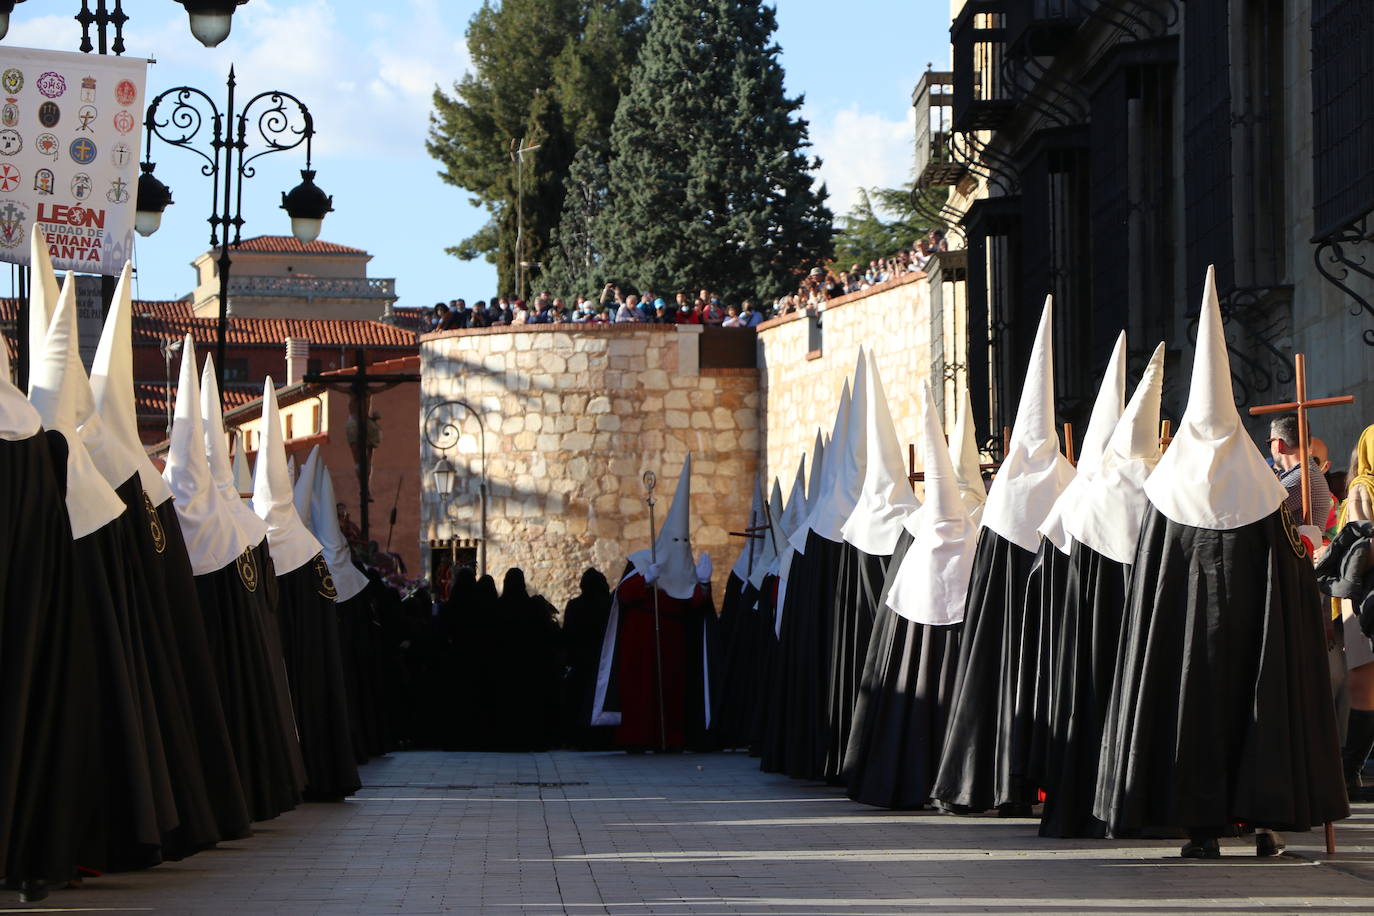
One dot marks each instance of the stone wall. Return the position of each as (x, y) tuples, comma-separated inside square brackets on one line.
[(573, 416), (801, 386)]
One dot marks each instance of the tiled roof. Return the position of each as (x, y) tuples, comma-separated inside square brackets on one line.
[(287, 244), (399, 364), (416, 320), (323, 332), (150, 398)]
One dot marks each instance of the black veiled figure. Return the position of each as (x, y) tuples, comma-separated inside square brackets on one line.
[(858, 584), (532, 653), (584, 624)]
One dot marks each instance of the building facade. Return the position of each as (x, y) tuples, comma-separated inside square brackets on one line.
[(1109, 152)]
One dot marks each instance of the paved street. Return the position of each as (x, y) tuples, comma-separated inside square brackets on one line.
[(607, 833)]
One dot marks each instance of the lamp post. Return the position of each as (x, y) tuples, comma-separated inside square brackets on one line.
[(438, 431), (281, 122)]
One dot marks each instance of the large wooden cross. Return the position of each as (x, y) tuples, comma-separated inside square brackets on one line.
[(1301, 406), (914, 476)]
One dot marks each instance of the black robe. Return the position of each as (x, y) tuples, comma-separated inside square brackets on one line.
[(739, 633), (1089, 630), (857, 588), (584, 626), (1221, 709), (151, 604), (902, 707), (1036, 662), (796, 741), (246, 661), (49, 771), (977, 768), (310, 642), (766, 641), (217, 756)]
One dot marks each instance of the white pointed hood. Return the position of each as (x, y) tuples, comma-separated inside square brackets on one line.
[(673, 546), (885, 497), (794, 513), (18, 418), (241, 474), (968, 462), (119, 453), (349, 580), (797, 532), (1212, 475), (749, 554), (61, 393), (245, 519), (43, 293), (302, 494), (1111, 398), (1034, 472), (1108, 515), (291, 543), (767, 562), (212, 539), (844, 472), (932, 582)]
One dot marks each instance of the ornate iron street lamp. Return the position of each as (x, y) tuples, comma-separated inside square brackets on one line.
[(443, 433), (280, 123)]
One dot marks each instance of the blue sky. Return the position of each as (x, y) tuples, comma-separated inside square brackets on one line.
[(367, 70)]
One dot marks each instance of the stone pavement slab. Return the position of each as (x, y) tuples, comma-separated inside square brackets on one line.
[(608, 833)]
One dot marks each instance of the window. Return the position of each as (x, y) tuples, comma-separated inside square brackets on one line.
[(236, 370)]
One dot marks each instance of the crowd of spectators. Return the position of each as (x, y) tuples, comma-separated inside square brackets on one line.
[(613, 306)]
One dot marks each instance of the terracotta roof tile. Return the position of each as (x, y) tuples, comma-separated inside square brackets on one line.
[(150, 399), (324, 332), (287, 244)]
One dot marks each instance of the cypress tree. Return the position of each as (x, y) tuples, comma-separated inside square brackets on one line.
[(574, 262), (709, 182)]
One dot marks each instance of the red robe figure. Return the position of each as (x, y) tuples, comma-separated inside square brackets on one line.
[(630, 680)]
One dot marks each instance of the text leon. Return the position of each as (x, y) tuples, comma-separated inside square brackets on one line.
[(72, 233)]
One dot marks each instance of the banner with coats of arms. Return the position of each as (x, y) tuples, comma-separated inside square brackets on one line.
[(70, 130)]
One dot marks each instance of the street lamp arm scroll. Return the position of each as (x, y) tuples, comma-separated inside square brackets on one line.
[(437, 432), (274, 123)]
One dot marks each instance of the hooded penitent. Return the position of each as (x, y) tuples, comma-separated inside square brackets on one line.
[(968, 463), (117, 449), (870, 533), (988, 759), (1111, 395), (1112, 503), (672, 550), (801, 700), (751, 552), (900, 713), (774, 538), (43, 293), (242, 475), (1221, 709), (794, 516), (273, 498)]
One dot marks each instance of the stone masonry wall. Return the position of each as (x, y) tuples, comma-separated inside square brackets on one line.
[(573, 417), (801, 388)]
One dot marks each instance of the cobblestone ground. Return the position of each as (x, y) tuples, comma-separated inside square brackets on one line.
[(606, 833)]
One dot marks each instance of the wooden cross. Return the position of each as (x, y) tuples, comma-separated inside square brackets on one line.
[(1165, 436), (1301, 406)]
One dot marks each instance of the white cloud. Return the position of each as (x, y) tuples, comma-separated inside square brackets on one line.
[(861, 149)]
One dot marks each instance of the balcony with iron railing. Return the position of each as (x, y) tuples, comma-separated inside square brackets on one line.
[(310, 288), (1041, 28), (933, 100), (982, 98)]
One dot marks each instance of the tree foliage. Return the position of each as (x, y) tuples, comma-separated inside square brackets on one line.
[(884, 222), (549, 72), (574, 264), (709, 181)]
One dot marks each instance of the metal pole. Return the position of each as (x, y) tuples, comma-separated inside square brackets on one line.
[(650, 481), (225, 262), (482, 490)]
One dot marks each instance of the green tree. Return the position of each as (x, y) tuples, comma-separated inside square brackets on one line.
[(574, 264), (549, 72), (709, 182), (884, 222)]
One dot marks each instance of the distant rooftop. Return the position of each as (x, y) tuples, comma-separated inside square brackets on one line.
[(287, 244)]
